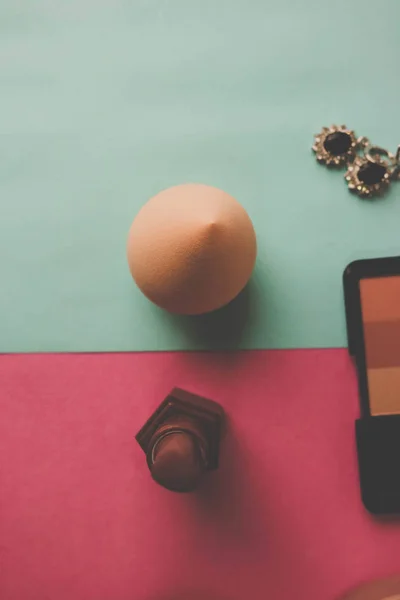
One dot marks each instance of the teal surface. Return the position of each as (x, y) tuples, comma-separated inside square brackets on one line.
[(105, 102)]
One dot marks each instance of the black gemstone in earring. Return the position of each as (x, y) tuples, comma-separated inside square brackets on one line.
[(337, 143), (371, 173), (335, 146)]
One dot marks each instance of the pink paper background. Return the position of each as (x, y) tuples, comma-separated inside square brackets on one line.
[(80, 518)]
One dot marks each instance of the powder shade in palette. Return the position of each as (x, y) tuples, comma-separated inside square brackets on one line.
[(372, 299), (380, 308)]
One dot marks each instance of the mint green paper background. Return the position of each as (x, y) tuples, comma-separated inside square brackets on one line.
[(105, 102)]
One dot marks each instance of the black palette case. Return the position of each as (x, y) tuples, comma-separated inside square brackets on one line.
[(377, 435)]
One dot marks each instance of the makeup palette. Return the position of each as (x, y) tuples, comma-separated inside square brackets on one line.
[(372, 297)]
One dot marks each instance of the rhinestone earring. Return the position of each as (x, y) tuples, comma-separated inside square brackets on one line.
[(336, 146), (372, 171)]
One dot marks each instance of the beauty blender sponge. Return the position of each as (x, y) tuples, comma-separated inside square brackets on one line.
[(191, 249)]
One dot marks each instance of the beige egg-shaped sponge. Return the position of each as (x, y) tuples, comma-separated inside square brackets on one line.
[(191, 249)]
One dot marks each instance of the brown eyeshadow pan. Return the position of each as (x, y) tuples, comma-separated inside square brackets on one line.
[(380, 309)]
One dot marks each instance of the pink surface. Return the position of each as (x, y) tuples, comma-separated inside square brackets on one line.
[(80, 518)]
